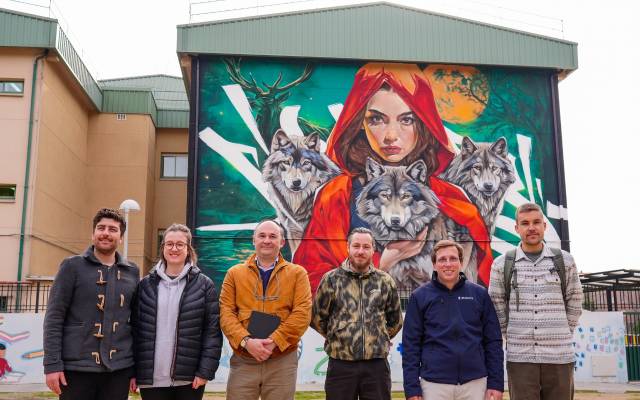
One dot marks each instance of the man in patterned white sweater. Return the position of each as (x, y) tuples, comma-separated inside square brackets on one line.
[(540, 314)]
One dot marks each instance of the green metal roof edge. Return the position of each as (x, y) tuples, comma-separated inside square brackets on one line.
[(562, 54), (32, 31), (164, 117), (173, 118), (142, 101), (128, 78), (130, 101), (26, 30), (368, 5), (80, 71)]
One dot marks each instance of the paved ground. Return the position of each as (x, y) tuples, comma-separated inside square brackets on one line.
[(320, 396)]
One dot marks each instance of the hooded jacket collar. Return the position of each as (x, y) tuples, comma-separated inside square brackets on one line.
[(161, 270), (189, 272)]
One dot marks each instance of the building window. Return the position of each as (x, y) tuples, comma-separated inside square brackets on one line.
[(7, 192), (174, 166), (12, 87)]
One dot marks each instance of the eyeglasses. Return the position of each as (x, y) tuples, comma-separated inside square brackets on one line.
[(447, 260), (177, 245)]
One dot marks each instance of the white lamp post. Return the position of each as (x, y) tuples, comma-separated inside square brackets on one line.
[(126, 206)]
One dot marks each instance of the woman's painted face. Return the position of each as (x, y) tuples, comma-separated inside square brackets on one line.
[(175, 247), (390, 126)]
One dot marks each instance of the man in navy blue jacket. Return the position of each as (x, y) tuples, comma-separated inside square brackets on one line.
[(451, 341)]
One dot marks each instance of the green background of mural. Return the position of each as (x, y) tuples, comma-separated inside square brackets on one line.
[(518, 102)]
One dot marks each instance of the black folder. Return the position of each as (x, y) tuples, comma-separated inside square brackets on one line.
[(261, 325)]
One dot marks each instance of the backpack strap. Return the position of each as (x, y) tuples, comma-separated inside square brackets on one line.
[(509, 261), (558, 264)]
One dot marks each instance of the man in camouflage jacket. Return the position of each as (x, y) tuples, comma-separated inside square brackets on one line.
[(357, 311)]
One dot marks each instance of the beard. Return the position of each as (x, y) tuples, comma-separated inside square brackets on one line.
[(106, 249), (359, 264)]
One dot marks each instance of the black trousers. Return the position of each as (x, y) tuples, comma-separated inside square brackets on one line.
[(353, 380), (185, 392), (97, 385)]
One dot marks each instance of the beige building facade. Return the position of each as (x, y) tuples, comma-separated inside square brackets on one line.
[(86, 145)]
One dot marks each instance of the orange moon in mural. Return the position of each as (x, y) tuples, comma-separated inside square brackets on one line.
[(461, 93)]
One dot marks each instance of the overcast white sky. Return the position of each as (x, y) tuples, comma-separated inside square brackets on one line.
[(599, 103)]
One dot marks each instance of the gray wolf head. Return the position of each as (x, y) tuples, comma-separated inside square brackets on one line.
[(396, 201), (482, 169), (296, 164), (296, 167), (484, 172)]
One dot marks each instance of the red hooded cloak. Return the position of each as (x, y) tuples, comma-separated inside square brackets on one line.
[(323, 246)]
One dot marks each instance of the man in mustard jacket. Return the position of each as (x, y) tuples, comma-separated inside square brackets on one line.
[(265, 282)]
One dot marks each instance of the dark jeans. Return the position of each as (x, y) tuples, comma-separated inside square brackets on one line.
[(352, 380), (529, 381), (96, 385), (185, 392)]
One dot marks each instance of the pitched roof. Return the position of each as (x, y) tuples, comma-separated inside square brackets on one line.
[(377, 31), (168, 91), (163, 97)]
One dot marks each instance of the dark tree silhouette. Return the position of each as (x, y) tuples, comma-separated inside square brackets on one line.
[(267, 99)]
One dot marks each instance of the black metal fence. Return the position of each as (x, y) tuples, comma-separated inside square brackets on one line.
[(24, 297), (612, 298)]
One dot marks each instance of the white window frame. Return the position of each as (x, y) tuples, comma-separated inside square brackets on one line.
[(174, 157), (4, 83)]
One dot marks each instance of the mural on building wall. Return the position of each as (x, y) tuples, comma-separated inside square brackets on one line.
[(412, 151), (598, 334), (21, 348)]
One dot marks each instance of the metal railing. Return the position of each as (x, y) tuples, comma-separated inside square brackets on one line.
[(621, 298), (632, 344), (24, 297)]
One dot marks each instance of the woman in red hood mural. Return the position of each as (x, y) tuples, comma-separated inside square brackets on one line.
[(390, 116)]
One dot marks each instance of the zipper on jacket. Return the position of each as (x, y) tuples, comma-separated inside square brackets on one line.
[(362, 313), (175, 342), (451, 299), (271, 277), (155, 290), (264, 294)]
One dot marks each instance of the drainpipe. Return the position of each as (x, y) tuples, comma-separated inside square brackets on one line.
[(27, 170)]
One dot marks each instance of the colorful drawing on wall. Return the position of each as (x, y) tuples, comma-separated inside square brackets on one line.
[(11, 338), (33, 354), (600, 334), (4, 364), (411, 151), (21, 353)]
